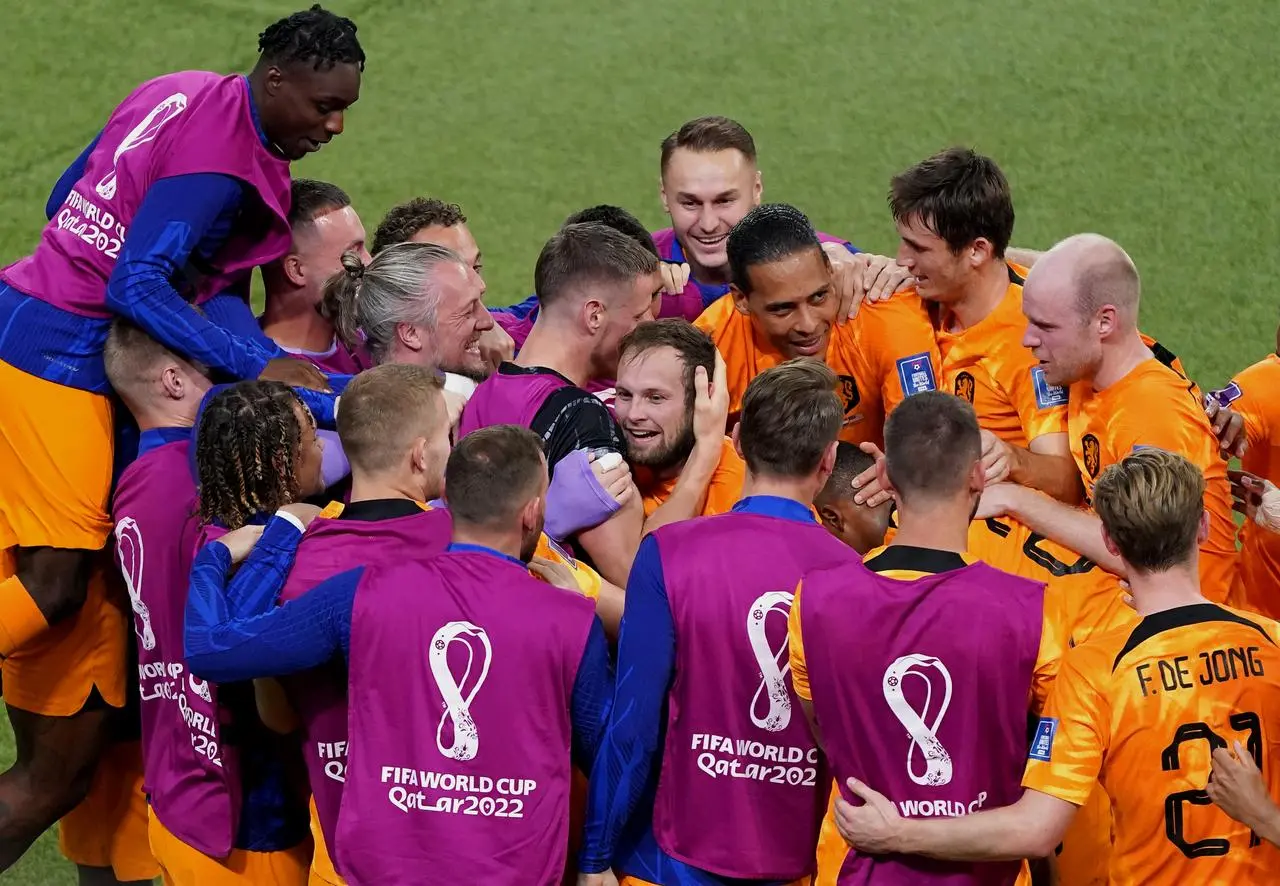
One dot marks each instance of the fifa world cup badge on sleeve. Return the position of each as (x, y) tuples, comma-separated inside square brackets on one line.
[(1224, 396), (1042, 744), (1047, 395), (915, 374)]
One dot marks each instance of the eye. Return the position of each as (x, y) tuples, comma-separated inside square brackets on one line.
[(323, 110), (689, 204)]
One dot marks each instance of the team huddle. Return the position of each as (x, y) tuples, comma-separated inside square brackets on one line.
[(732, 555)]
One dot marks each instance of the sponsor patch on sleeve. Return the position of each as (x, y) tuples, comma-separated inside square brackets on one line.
[(1225, 396), (1047, 395), (915, 373), (1042, 744)]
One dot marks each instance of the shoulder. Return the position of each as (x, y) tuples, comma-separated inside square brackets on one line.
[(720, 317)]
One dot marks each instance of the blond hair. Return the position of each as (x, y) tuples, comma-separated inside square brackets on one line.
[(386, 408), (1151, 503)]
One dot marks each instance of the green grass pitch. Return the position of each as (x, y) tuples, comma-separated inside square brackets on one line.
[(1152, 121)]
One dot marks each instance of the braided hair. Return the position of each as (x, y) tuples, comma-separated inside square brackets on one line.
[(247, 451), (316, 36)]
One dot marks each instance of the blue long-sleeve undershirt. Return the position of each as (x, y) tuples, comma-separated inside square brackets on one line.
[(236, 632), (619, 824), (72, 174), (181, 217)]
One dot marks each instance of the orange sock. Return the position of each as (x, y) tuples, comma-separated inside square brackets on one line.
[(20, 617)]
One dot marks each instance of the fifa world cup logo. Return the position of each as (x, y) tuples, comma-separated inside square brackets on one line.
[(144, 132), (130, 552), (774, 664), (924, 735), (458, 693)]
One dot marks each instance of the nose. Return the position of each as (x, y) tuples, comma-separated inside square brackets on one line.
[(333, 123), (365, 256), (1029, 338), (707, 219), (807, 321), (905, 257)]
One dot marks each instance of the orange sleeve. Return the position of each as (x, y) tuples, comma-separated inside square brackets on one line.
[(1053, 646), (588, 579), (1042, 407), (795, 651), (1071, 738), (899, 348), (726, 482), (1248, 393), (731, 333)]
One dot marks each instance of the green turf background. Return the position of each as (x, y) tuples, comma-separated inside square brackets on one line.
[(1155, 122)]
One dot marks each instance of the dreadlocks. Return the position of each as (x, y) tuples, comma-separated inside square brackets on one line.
[(246, 452), (316, 36)]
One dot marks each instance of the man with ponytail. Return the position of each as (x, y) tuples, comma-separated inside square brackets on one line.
[(183, 192)]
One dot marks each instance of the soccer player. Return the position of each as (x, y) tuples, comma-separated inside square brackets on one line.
[(912, 667), (862, 527), (595, 285), (740, 786), (671, 405), (187, 185), (1141, 708), (323, 225), (954, 213), (782, 306), (1251, 394), (428, 220), (1081, 303), (520, 670)]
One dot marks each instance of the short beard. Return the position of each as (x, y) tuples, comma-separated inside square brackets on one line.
[(670, 456)]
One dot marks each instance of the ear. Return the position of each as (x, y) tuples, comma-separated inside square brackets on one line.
[(593, 314), (1106, 320), (831, 517), (530, 513), (1202, 533), (977, 478), (274, 80), (409, 336), (418, 455), (737, 442), (293, 270), (1109, 544), (740, 300), (173, 383), (662, 194), (828, 463), (981, 251), (757, 190)]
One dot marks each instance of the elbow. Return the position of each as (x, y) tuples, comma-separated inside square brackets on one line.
[(1041, 845)]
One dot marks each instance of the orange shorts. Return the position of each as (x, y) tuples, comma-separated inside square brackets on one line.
[(56, 451), (1086, 846), (180, 865), (323, 873), (54, 674), (109, 829)]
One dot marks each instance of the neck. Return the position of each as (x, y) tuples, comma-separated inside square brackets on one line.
[(374, 488), (553, 347), (671, 472), (503, 541), (797, 489), (701, 273), (1119, 359), (1157, 591), (292, 321), (939, 526), (164, 418), (980, 296)]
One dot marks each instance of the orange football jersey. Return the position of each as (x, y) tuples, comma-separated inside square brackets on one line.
[(882, 356), (1252, 393), (1155, 407), (723, 491), (1141, 708)]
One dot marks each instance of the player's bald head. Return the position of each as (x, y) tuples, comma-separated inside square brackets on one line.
[(1096, 272)]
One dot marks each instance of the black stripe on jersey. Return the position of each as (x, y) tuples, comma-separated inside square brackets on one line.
[(1163, 354), (1015, 277), (912, 559), (380, 509), (1181, 617)]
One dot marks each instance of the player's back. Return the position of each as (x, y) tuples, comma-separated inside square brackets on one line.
[(931, 715), (1153, 701)]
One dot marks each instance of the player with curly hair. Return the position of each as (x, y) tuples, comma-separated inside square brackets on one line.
[(183, 192)]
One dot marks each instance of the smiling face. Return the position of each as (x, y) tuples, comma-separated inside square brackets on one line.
[(653, 408), (706, 193), (791, 303), (301, 108), (940, 273), (461, 318)]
